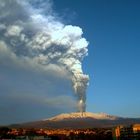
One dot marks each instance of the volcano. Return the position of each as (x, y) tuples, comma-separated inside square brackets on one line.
[(79, 121), (81, 116)]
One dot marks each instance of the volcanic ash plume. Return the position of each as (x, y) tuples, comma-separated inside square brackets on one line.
[(80, 85), (36, 35)]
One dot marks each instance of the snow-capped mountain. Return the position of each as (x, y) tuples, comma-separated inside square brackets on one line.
[(84, 115), (79, 120)]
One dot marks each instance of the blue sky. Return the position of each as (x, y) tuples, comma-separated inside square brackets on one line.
[(113, 29), (36, 85)]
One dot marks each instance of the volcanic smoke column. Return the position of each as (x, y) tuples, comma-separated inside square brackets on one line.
[(70, 38), (37, 37), (80, 86), (76, 51)]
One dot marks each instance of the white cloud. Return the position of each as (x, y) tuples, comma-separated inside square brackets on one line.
[(13, 30)]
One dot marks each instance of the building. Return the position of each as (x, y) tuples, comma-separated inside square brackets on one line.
[(131, 132)]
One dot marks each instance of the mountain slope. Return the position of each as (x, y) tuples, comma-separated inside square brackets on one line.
[(78, 120), (85, 115)]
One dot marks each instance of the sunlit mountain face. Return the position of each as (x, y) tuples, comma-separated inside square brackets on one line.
[(77, 120), (82, 115)]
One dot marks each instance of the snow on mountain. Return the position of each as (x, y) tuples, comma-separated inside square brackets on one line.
[(78, 121), (84, 115)]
